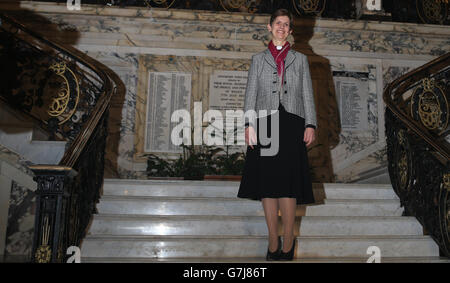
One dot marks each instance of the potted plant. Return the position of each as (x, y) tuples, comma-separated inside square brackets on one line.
[(229, 167), (193, 164), (198, 162)]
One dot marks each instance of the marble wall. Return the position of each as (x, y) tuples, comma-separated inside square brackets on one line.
[(133, 42), (17, 206)]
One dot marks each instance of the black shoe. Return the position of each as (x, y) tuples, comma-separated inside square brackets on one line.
[(276, 254), (290, 254)]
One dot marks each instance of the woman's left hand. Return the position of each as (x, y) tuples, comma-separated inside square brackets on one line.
[(309, 136)]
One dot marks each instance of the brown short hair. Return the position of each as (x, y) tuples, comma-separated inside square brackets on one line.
[(281, 12)]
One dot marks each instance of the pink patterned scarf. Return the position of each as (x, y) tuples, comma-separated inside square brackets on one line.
[(279, 56)]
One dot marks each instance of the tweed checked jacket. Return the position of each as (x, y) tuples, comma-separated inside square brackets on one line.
[(262, 92)]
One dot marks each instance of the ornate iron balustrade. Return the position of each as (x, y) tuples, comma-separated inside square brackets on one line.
[(68, 94), (416, 11), (418, 145)]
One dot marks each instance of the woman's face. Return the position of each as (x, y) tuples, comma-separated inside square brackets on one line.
[(280, 28)]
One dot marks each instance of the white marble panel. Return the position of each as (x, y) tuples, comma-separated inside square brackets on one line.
[(20, 141)]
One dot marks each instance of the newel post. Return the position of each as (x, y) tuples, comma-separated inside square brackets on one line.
[(52, 195)]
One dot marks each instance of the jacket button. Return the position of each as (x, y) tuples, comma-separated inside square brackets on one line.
[(285, 91), (275, 73), (275, 82), (284, 82)]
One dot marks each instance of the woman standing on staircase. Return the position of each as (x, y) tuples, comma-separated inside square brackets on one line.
[(279, 78)]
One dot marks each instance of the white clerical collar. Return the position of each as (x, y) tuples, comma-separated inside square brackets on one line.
[(279, 47)]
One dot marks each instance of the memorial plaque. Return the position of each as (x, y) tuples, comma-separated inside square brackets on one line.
[(166, 93), (352, 92), (227, 92)]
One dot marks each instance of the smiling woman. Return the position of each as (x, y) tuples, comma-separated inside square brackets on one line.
[(280, 29), (279, 82)]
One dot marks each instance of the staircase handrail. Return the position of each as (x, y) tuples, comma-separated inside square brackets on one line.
[(396, 88), (418, 150), (67, 193)]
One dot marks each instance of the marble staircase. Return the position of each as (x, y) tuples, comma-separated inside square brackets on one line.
[(204, 221), (22, 136)]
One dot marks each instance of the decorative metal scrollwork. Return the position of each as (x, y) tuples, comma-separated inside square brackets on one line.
[(444, 211), (44, 252), (403, 161), (160, 3), (420, 180), (250, 6), (309, 7), (65, 103), (429, 106), (446, 181), (432, 11), (71, 100)]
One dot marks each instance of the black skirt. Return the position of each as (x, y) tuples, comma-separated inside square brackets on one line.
[(284, 175)]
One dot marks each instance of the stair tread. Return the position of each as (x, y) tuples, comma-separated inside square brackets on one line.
[(178, 198), (259, 259), (252, 237), (231, 217), (171, 182), (179, 203), (234, 184)]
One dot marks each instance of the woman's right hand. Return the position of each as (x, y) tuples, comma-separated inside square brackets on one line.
[(250, 136)]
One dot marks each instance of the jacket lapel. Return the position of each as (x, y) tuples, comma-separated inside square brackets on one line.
[(269, 58), (290, 57)]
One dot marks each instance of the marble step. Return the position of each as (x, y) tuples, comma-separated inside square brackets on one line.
[(253, 246), (181, 188), (431, 259), (240, 207), (371, 207), (20, 140), (250, 225)]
